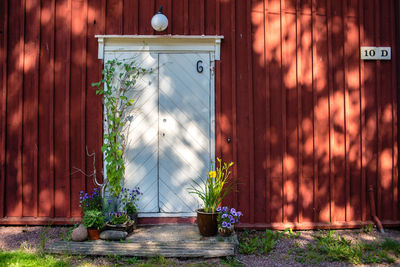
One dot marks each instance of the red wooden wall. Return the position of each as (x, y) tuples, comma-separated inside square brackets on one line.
[(311, 125)]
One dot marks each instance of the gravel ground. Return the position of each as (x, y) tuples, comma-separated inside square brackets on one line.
[(33, 238)]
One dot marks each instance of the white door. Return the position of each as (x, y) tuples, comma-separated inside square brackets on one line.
[(170, 137)]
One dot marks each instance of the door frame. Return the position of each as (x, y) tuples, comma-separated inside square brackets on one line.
[(111, 44)]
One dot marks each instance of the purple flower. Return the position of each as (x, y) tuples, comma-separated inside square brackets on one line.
[(239, 213), (234, 213), (233, 210), (223, 209), (109, 201), (224, 215), (219, 209), (232, 221), (228, 225), (230, 217), (224, 224)]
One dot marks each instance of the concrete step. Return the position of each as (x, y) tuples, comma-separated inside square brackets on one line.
[(178, 241)]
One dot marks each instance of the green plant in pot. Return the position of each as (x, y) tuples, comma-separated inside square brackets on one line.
[(212, 191), (94, 221)]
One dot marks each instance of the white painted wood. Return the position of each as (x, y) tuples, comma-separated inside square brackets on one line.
[(160, 43), (184, 119)]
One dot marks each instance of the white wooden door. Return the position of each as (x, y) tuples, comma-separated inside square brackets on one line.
[(184, 125), (170, 134)]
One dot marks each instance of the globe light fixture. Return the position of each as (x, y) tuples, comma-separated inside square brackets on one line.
[(159, 22)]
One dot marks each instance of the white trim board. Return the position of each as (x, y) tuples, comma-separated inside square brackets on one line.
[(159, 43)]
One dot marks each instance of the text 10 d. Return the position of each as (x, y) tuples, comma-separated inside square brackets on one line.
[(376, 53)]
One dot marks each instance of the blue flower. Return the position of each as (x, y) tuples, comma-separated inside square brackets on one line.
[(224, 215), (232, 221), (228, 225), (233, 210), (224, 224), (239, 213), (234, 213), (230, 217), (219, 209), (223, 209)]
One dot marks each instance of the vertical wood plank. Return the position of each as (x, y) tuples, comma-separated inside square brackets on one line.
[(386, 118), (186, 17), (378, 112), (233, 99), (3, 101), (299, 89), (211, 19), (147, 10), (314, 103), (62, 77), (259, 104), (283, 36), (321, 113), (394, 112), (250, 112), (178, 20), (276, 99), (77, 99), (363, 129), (94, 108), (267, 58), (131, 17), (46, 110), (13, 190), (194, 16), (114, 17), (332, 144), (30, 114), (306, 133)]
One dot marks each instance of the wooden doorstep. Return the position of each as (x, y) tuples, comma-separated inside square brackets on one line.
[(176, 249)]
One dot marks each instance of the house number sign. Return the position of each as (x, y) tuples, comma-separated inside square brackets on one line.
[(376, 53)]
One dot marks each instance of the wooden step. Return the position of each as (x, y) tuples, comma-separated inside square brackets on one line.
[(176, 249)]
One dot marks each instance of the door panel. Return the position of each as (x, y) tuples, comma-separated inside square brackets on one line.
[(184, 123), (141, 156)]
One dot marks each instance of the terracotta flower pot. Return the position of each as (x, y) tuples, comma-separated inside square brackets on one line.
[(94, 234), (207, 222)]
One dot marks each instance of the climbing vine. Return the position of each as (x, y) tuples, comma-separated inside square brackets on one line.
[(119, 79)]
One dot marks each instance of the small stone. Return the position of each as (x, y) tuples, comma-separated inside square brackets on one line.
[(113, 235), (80, 234)]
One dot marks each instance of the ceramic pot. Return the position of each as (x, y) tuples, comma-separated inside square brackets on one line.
[(226, 231), (207, 222), (94, 234), (128, 226)]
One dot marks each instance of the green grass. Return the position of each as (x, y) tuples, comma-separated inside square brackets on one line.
[(20, 258), (330, 247), (264, 243)]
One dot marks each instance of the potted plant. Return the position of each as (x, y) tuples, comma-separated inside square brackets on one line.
[(90, 202), (227, 218), (212, 191), (120, 221), (128, 200), (94, 220)]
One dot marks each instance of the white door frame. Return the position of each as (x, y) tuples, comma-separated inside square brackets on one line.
[(111, 44)]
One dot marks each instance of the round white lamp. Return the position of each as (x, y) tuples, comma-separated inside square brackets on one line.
[(159, 22)]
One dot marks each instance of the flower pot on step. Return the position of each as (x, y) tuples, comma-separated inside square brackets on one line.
[(94, 234), (207, 222)]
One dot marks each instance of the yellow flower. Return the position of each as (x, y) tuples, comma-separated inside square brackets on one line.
[(212, 174)]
